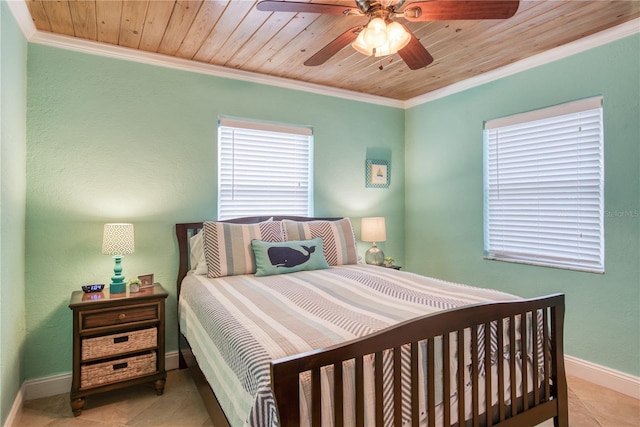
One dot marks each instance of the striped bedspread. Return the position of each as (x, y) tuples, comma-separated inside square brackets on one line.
[(237, 324)]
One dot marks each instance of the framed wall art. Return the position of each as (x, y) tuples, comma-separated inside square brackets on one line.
[(378, 173)]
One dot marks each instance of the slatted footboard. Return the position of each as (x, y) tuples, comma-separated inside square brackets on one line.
[(519, 364)]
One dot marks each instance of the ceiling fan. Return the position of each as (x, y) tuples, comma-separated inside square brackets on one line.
[(382, 35)]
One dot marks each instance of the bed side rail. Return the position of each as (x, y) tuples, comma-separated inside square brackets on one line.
[(541, 394)]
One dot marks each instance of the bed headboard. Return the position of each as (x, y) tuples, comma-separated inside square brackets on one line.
[(184, 231)]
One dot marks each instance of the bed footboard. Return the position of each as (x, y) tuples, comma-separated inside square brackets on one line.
[(510, 351)]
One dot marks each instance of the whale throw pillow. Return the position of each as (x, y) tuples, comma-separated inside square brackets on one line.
[(288, 257)]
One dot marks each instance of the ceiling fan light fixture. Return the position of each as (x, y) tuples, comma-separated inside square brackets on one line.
[(384, 50), (361, 46), (397, 36), (375, 33)]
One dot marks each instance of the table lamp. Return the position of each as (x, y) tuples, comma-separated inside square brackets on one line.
[(373, 230), (117, 240)]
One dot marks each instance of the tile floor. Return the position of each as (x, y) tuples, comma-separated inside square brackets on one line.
[(180, 406)]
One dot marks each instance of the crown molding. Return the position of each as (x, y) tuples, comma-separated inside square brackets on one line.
[(160, 60), (23, 18), (22, 15), (606, 36)]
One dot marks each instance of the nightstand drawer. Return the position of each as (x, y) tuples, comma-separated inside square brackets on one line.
[(118, 316), (125, 342), (97, 374)]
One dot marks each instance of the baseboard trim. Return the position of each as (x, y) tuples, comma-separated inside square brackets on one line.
[(56, 384), (13, 419), (603, 376), (600, 375)]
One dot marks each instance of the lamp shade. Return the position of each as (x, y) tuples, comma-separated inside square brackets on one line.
[(117, 239), (373, 230)]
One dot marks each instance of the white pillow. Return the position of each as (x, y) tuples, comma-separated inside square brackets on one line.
[(197, 257)]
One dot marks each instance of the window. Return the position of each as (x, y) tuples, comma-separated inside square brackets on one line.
[(264, 169), (544, 184)]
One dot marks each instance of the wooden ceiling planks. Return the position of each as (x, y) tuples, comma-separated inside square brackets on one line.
[(269, 41), (184, 13), (132, 23), (232, 17), (201, 28), (59, 17), (234, 34), (39, 15), (257, 58), (155, 24), (108, 16), (253, 21), (289, 59), (83, 15)]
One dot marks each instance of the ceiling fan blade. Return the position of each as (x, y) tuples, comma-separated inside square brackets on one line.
[(292, 6), (414, 54), (334, 47), (451, 10)]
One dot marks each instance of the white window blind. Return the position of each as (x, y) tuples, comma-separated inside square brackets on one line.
[(264, 169), (544, 182)]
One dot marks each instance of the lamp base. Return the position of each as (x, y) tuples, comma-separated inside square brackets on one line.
[(117, 288), (374, 256), (117, 285)]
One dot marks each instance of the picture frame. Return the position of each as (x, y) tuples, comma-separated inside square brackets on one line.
[(146, 280), (378, 173)]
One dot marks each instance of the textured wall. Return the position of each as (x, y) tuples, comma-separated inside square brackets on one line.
[(111, 140), (13, 135), (444, 196)]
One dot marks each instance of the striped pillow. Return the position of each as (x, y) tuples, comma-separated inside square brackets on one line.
[(227, 246), (338, 239)]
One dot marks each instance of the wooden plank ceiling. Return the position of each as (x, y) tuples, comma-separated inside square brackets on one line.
[(234, 34)]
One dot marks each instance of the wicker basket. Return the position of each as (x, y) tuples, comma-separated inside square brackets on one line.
[(96, 374), (112, 345)]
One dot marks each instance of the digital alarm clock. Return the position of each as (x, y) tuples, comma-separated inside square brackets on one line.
[(92, 288)]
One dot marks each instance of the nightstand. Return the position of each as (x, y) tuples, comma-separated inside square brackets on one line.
[(118, 341)]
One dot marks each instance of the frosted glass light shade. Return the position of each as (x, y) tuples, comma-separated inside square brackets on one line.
[(361, 46), (375, 34), (397, 37), (381, 39)]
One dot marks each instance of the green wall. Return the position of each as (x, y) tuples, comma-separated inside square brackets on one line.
[(13, 138), (111, 140), (444, 196)]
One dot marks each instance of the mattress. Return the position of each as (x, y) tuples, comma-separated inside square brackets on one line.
[(237, 325)]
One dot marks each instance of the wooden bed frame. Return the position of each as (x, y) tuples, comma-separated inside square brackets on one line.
[(547, 396)]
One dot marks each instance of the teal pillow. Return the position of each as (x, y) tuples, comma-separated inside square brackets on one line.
[(288, 257)]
